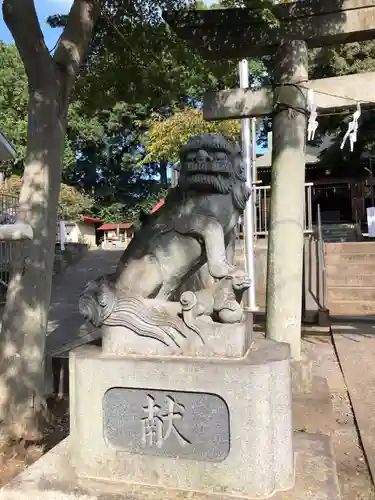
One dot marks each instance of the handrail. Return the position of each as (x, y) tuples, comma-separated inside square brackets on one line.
[(263, 196), (322, 258)]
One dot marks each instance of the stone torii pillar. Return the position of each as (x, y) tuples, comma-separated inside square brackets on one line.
[(287, 213), (231, 34)]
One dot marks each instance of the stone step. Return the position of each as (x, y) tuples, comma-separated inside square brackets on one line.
[(367, 280), (351, 307), (339, 234), (342, 225), (338, 229), (351, 247), (338, 293), (350, 258), (339, 239), (337, 270)]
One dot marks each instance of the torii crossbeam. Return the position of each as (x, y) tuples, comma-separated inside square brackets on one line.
[(331, 94)]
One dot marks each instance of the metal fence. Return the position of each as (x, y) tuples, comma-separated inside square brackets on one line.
[(262, 210), (8, 213)]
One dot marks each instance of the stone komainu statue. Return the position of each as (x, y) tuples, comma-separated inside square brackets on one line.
[(194, 228)]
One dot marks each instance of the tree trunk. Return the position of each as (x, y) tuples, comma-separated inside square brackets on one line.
[(24, 326), (163, 173)]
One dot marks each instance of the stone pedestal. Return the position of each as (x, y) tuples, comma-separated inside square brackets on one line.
[(177, 427), (213, 425), (216, 340)]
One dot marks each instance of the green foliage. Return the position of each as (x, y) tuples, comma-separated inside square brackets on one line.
[(136, 58), (137, 70), (149, 65), (119, 212), (343, 59), (13, 99), (139, 87), (112, 214), (82, 127), (167, 136), (108, 168), (263, 9), (73, 203)]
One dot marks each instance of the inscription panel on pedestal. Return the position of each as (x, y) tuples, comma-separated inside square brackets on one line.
[(190, 425)]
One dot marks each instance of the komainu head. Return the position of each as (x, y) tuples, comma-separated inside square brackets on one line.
[(211, 163)]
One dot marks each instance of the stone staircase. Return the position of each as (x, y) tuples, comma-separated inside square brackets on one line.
[(351, 278), (341, 232)]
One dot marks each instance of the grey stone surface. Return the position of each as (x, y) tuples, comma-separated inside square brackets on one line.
[(302, 374), (52, 478), (184, 424), (217, 340), (312, 410), (256, 390)]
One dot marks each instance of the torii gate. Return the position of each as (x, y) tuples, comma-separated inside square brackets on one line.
[(241, 33)]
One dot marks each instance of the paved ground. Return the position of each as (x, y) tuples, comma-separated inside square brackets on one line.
[(65, 323), (355, 349), (341, 364)]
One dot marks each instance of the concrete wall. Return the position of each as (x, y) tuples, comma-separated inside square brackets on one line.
[(81, 232), (88, 233)]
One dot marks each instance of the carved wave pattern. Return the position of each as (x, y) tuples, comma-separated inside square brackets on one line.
[(146, 320)]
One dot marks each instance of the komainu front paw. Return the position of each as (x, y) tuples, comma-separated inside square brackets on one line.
[(240, 280), (221, 271)]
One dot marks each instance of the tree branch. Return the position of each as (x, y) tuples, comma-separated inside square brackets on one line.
[(21, 18), (74, 42)]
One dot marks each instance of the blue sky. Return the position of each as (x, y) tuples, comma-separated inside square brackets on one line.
[(44, 9)]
